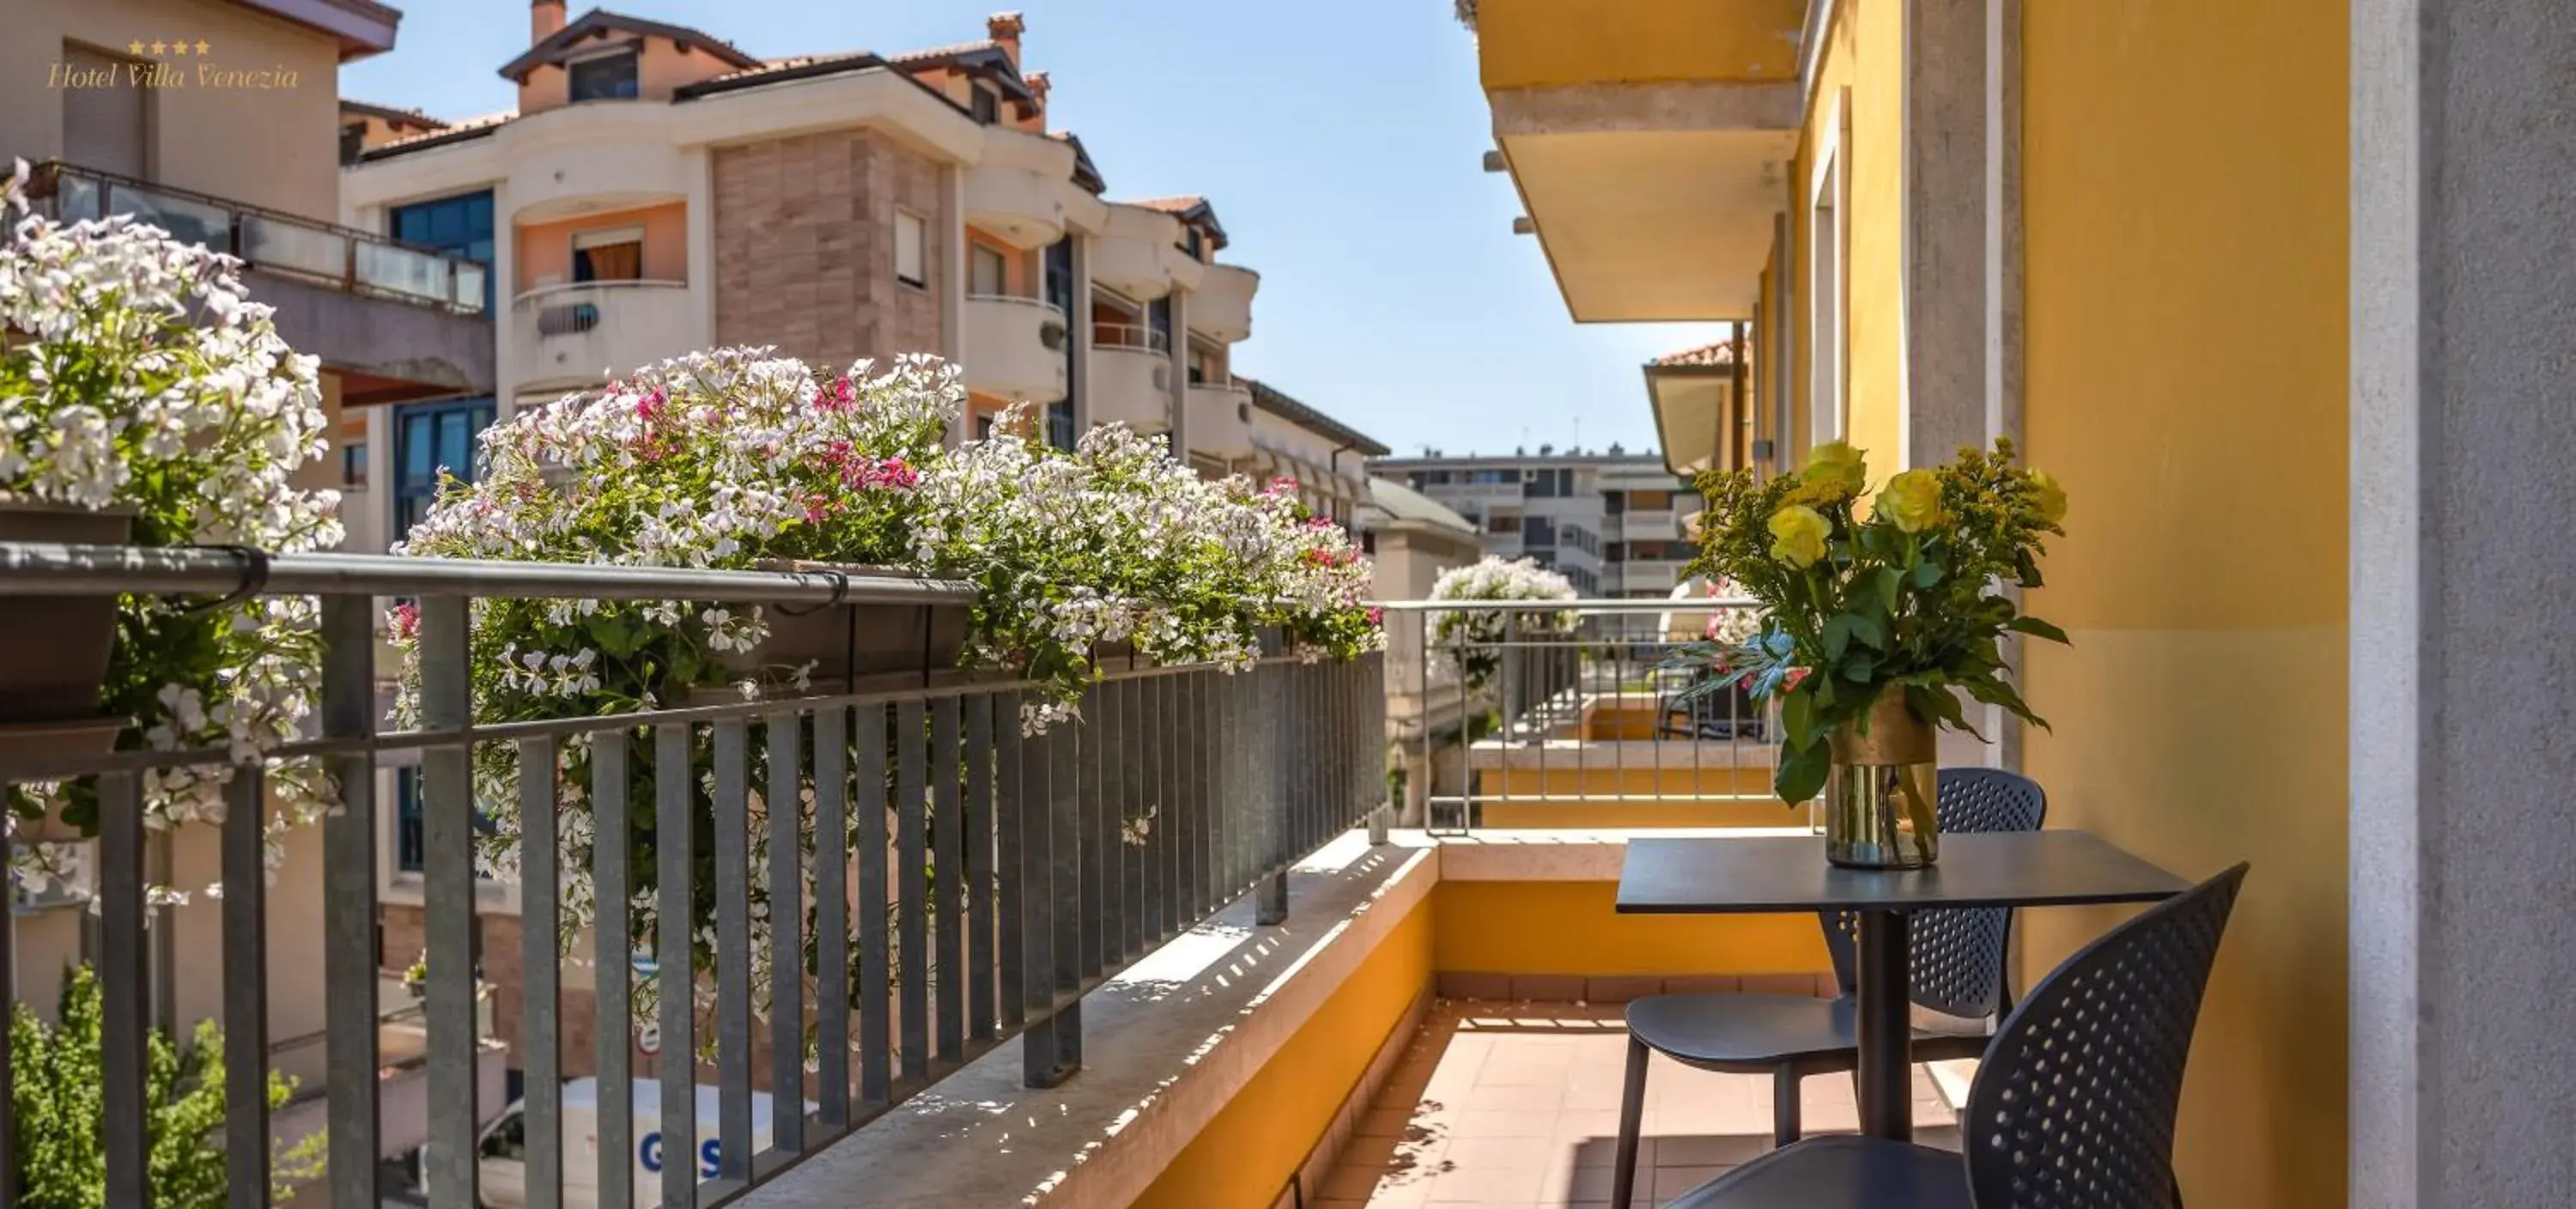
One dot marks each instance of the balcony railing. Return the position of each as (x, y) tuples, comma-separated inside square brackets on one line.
[(971, 883), (1130, 335), (1566, 714), (322, 253)]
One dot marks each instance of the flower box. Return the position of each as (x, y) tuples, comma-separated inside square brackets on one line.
[(49, 685), (852, 644)]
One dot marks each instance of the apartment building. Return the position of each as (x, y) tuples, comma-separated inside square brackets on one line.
[(214, 120), (657, 190), (1611, 522)]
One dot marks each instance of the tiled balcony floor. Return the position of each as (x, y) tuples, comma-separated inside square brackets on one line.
[(1517, 1105)]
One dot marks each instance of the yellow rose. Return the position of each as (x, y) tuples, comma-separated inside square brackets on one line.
[(1798, 535), (1912, 500), (1835, 471), (2048, 497)]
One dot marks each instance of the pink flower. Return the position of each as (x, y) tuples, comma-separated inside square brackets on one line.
[(1796, 674), (406, 621), (1319, 522), (1376, 616), (836, 395)]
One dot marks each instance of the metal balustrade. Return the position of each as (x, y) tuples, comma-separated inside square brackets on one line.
[(1568, 705), (971, 882)]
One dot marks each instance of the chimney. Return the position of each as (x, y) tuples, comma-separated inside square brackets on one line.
[(1006, 28), (1039, 84), (544, 18)]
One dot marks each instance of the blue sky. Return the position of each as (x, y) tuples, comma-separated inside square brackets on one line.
[(1338, 139)]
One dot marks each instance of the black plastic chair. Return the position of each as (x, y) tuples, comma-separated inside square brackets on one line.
[(2073, 1106), (1957, 959)]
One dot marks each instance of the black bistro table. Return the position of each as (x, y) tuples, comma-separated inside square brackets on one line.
[(1764, 875)]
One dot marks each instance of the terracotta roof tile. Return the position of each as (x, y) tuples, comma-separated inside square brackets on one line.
[(1720, 353), (390, 113), (942, 52), (790, 63), (450, 129), (1169, 205)]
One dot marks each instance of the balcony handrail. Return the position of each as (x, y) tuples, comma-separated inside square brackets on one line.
[(46, 184), (1018, 300), (1061, 859), (1134, 336), (539, 294)]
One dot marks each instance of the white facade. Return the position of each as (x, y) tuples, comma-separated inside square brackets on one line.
[(1611, 523)]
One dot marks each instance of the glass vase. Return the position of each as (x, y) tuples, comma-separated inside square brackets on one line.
[(1880, 790)]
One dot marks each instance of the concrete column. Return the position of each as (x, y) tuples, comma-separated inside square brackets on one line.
[(1180, 374), (1945, 229), (505, 290), (1078, 330), (698, 164), (952, 280), (2463, 949)]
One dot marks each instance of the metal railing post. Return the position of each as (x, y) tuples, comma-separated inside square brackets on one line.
[(348, 709), (447, 898)]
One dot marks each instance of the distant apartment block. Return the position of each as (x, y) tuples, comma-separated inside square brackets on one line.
[(1611, 522)]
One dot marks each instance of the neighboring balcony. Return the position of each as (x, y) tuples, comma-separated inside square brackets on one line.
[(1222, 307), (1131, 377), (1015, 348), (1022, 189), (572, 336), (411, 320), (1221, 419), (1139, 255)]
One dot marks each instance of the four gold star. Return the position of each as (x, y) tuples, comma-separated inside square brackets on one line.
[(160, 48), (134, 48), (203, 49), (200, 47)]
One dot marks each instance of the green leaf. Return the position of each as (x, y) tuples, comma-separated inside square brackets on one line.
[(1885, 582), (2036, 629), (1870, 628), (1838, 633), (1859, 670), (1798, 716), (1928, 573), (2026, 569), (1801, 775)]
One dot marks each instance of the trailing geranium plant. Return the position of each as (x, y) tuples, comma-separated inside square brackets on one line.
[(1472, 638), (737, 459), (136, 375), (1908, 597)]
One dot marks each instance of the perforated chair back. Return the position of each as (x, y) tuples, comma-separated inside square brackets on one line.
[(1957, 956), (2074, 1104)]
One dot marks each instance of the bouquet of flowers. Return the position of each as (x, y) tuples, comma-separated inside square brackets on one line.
[(1901, 592)]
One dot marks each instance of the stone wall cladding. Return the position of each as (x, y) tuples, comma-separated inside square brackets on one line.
[(804, 247)]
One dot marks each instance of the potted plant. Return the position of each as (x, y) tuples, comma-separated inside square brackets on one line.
[(144, 398), (734, 459), (1476, 639), (1879, 613)]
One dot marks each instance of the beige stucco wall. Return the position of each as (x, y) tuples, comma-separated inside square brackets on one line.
[(663, 68), (273, 146), (804, 247)]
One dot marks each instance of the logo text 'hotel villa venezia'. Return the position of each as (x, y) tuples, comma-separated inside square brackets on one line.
[(177, 63)]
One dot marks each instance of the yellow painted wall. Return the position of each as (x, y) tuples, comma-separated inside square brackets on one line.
[(1573, 928), (1864, 62), (2186, 192), (1243, 1158), (1533, 43)]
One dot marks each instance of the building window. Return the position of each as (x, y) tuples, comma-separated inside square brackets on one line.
[(1059, 424), (988, 272), (353, 139), (459, 226), (611, 255), (409, 849), (1541, 484), (986, 107), (1193, 243), (429, 437), (608, 77), (107, 129), (911, 259), (353, 466), (1538, 532)]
